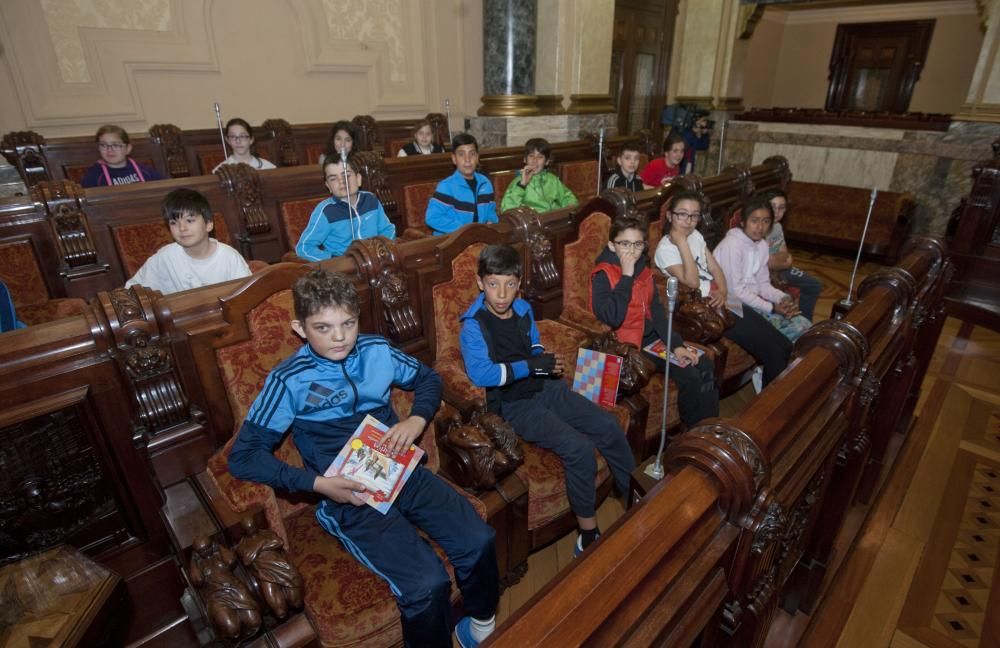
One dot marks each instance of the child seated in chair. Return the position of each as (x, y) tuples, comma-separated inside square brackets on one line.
[(535, 186), (683, 253), (743, 256), (781, 259), (465, 196), (502, 353), (334, 224), (343, 136), (194, 259), (115, 166), (423, 141), (663, 169), (623, 296), (321, 393), (628, 163)]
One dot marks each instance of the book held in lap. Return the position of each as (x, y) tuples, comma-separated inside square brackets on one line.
[(597, 375)]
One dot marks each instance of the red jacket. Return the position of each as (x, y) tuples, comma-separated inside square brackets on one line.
[(632, 329)]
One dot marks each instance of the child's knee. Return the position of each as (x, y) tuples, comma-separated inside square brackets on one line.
[(426, 590)]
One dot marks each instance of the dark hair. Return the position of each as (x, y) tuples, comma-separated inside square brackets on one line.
[(353, 161), (237, 121), (113, 129), (541, 145), (499, 260), (348, 127), (182, 201), (634, 221), (752, 205), (420, 124), (631, 145), (687, 194), (319, 289), (775, 193), (673, 138), (462, 139)]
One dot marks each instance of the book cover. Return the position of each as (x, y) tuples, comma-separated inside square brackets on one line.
[(597, 376), (658, 348), (364, 459)]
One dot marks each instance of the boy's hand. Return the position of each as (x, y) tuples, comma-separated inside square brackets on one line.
[(401, 435), (560, 365), (628, 259), (542, 364), (685, 357), (679, 239), (339, 489), (717, 298), (527, 173)]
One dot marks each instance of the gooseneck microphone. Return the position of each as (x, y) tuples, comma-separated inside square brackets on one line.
[(351, 210), (222, 134), (600, 158), (655, 470), (847, 302)]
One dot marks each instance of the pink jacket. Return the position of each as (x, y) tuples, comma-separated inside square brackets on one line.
[(745, 264)]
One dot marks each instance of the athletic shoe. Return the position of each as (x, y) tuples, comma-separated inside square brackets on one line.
[(463, 632)]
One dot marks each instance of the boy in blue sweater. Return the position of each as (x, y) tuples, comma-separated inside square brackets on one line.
[(321, 393), (333, 224), (503, 353), (465, 196)]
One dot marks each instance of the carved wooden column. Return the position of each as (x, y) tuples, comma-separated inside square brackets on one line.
[(168, 137), (25, 150), (543, 285), (284, 141), (257, 238)]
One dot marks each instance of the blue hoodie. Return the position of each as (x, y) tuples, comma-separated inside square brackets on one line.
[(332, 227), (454, 205)]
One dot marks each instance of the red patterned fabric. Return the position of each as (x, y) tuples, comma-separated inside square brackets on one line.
[(579, 257), (545, 478), (51, 310), (396, 145), (209, 160), (76, 172), (21, 272), (451, 299), (580, 177), (295, 216), (501, 180), (415, 199), (136, 242), (313, 152)]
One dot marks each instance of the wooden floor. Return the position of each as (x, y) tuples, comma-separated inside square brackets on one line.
[(921, 561)]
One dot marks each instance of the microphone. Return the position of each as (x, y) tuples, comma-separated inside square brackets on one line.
[(671, 293), (600, 157), (447, 116), (351, 211), (222, 135), (655, 470)]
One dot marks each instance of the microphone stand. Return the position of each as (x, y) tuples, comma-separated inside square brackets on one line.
[(722, 145), (350, 207), (447, 114), (600, 158), (222, 135), (655, 470), (848, 302)]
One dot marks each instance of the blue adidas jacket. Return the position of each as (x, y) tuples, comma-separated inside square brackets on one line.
[(453, 204), (322, 402), (328, 233), (477, 349)]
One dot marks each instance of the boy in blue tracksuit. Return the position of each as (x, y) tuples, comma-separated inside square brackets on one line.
[(322, 393), (502, 352), (333, 225), (465, 196)]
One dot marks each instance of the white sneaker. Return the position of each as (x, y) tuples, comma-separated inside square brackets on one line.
[(758, 378)]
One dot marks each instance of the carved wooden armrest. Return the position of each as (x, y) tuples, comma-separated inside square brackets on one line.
[(637, 369), (262, 553), (416, 232), (232, 610), (698, 321), (482, 446)]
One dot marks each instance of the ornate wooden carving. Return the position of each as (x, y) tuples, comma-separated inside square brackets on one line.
[(636, 369), (262, 552), (439, 125), (901, 282), (243, 184), (842, 339), (284, 141), (168, 137), (770, 529), (376, 180), (649, 143), (25, 150), (621, 198), (232, 610), (368, 130), (52, 486), (64, 202), (483, 447), (544, 274), (697, 320), (378, 262)]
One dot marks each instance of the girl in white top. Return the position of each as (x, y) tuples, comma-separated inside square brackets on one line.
[(240, 138)]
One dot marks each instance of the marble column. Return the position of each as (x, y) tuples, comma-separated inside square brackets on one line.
[(509, 57)]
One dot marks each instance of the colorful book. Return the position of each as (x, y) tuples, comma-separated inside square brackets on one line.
[(364, 459), (658, 348), (597, 376)]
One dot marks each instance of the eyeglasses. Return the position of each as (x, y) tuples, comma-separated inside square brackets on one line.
[(684, 216), (238, 138), (635, 245), (112, 146)]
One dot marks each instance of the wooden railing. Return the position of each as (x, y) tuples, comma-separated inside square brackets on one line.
[(863, 118)]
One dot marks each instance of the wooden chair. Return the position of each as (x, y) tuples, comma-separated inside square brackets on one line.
[(294, 215), (580, 177), (22, 274), (416, 197), (501, 180)]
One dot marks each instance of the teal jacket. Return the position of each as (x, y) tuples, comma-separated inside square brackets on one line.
[(544, 192)]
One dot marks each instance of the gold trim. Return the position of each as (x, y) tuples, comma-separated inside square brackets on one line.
[(508, 106), (705, 101), (586, 104), (729, 103), (551, 104)]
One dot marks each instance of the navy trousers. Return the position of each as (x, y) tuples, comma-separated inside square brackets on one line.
[(390, 546), (809, 289)]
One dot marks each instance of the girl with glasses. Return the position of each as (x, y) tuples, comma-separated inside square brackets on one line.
[(239, 135), (115, 166)]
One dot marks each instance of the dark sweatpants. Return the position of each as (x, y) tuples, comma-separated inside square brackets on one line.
[(761, 340), (390, 546), (697, 394), (560, 420), (809, 289)]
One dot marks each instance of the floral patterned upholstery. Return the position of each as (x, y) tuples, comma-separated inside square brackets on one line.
[(295, 216), (501, 180), (396, 145), (415, 200), (578, 261), (22, 274), (580, 177), (313, 152), (51, 310), (451, 299), (209, 160)]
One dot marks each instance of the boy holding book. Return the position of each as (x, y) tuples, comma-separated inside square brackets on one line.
[(321, 393), (502, 353)]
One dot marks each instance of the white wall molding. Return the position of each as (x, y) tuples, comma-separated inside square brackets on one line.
[(872, 13)]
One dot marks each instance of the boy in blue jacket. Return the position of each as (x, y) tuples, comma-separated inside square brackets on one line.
[(333, 224), (465, 196), (321, 393), (502, 352)]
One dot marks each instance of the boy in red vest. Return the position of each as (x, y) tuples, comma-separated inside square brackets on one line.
[(623, 296)]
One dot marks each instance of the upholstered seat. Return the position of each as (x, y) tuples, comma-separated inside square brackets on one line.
[(294, 216), (580, 177), (22, 274), (415, 200)]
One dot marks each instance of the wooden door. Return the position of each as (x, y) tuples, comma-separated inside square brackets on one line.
[(875, 66), (640, 61)]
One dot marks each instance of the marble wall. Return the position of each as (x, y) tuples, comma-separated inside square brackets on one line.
[(514, 131), (936, 167)]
